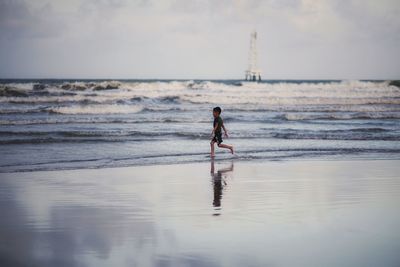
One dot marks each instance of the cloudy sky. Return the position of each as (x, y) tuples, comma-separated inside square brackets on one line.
[(298, 39)]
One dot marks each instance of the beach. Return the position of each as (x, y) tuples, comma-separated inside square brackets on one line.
[(214, 213), (118, 173)]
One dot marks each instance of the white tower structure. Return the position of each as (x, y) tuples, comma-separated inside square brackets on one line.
[(253, 73)]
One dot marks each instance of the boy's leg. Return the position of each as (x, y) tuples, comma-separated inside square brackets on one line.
[(212, 147), (226, 146)]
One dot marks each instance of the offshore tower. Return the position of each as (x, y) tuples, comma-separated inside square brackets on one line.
[(253, 73)]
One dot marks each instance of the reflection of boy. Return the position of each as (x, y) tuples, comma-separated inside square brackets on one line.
[(217, 183)]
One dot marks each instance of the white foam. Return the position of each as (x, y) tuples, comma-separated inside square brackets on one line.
[(97, 109), (262, 95)]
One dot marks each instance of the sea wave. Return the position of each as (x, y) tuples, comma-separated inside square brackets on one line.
[(96, 109), (120, 122), (341, 116), (200, 92), (346, 134), (119, 135), (97, 120)]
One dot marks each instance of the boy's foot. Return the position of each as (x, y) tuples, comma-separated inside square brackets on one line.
[(232, 151)]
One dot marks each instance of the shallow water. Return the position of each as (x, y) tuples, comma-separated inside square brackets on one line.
[(288, 213)]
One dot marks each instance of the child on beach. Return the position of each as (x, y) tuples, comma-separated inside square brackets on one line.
[(217, 133)]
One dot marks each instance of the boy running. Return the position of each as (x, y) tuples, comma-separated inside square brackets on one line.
[(217, 133)]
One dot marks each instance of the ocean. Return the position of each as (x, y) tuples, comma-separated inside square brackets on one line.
[(72, 124)]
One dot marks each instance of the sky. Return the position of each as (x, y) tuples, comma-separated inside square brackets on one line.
[(199, 39)]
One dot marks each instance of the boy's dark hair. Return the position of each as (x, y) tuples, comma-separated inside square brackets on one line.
[(217, 109)]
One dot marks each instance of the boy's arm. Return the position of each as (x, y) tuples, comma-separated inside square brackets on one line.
[(226, 132), (214, 129)]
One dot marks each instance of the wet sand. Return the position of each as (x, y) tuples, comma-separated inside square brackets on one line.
[(287, 213)]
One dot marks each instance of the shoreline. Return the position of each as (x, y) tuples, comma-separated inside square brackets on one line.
[(221, 160)]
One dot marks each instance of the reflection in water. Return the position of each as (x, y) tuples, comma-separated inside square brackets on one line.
[(219, 182), (160, 216), (69, 234)]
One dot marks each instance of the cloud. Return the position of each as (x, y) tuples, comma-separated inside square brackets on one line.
[(19, 20), (199, 38)]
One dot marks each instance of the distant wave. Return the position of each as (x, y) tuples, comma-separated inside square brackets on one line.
[(274, 96), (96, 120), (104, 85), (96, 109)]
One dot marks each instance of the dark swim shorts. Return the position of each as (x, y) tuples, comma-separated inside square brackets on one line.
[(217, 138)]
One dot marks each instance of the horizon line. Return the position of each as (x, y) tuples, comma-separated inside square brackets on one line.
[(210, 79)]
